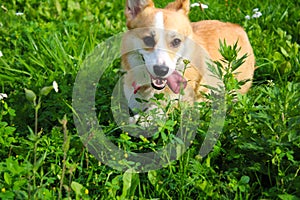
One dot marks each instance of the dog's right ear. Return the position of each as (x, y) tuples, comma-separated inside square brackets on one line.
[(182, 6), (134, 7)]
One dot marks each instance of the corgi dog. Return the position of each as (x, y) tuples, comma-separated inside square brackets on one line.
[(158, 42)]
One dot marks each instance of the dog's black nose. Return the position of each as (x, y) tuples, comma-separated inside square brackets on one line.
[(160, 70)]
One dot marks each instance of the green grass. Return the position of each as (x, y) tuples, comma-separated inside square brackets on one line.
[(41, 156)]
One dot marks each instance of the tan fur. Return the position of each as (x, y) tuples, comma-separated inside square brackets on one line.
[(182, 6), (209, 32), (205, 33)]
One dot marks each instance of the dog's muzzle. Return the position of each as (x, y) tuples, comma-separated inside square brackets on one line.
[(175, 81), (160, 70)]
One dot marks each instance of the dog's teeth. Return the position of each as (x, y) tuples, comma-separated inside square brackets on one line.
[(160, 82)]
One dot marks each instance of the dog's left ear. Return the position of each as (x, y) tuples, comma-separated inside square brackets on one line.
[(134, 7), (182, 6)]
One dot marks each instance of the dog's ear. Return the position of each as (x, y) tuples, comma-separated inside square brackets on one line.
[(182, 6), (134, 7)]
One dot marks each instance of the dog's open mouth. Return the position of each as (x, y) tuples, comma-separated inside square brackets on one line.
[(175, 81), (158, 83)]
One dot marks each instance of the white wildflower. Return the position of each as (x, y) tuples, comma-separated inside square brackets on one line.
[(55, 86), (2, 96), (257, 14), (195, 4), (201, 5), (19, 13), (204, 6), (1, 54), (270, 83)]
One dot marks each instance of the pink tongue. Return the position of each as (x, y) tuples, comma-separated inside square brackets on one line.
[(176, 82)]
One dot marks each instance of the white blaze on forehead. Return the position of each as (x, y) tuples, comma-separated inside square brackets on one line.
[(160, 52), (159, 20), (161, 55)]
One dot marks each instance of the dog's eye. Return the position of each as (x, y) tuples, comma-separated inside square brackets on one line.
[(149, 41), (176, 42)]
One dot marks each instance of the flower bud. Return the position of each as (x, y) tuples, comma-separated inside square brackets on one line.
[(30, 95), (46, 90)]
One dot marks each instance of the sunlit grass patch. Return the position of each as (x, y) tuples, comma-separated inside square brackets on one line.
[(42, 156)]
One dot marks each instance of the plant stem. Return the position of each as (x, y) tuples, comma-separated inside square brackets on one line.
[(65, 149), (36, 120), (35, 144), (36, 108)]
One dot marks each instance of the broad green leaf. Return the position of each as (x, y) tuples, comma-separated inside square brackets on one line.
[(288, 197), (19, 183), (76, 187), (284, 52), (244, 180), (130, 182), (7, 178), (152, 176), (40, 161)]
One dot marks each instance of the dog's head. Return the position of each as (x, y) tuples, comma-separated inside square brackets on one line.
[(160, 37)]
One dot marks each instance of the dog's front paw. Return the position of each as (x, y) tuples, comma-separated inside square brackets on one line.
[(143, 125), (148, 122), (143, 121)]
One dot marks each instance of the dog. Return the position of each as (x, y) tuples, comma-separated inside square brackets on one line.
[(158, 42)]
